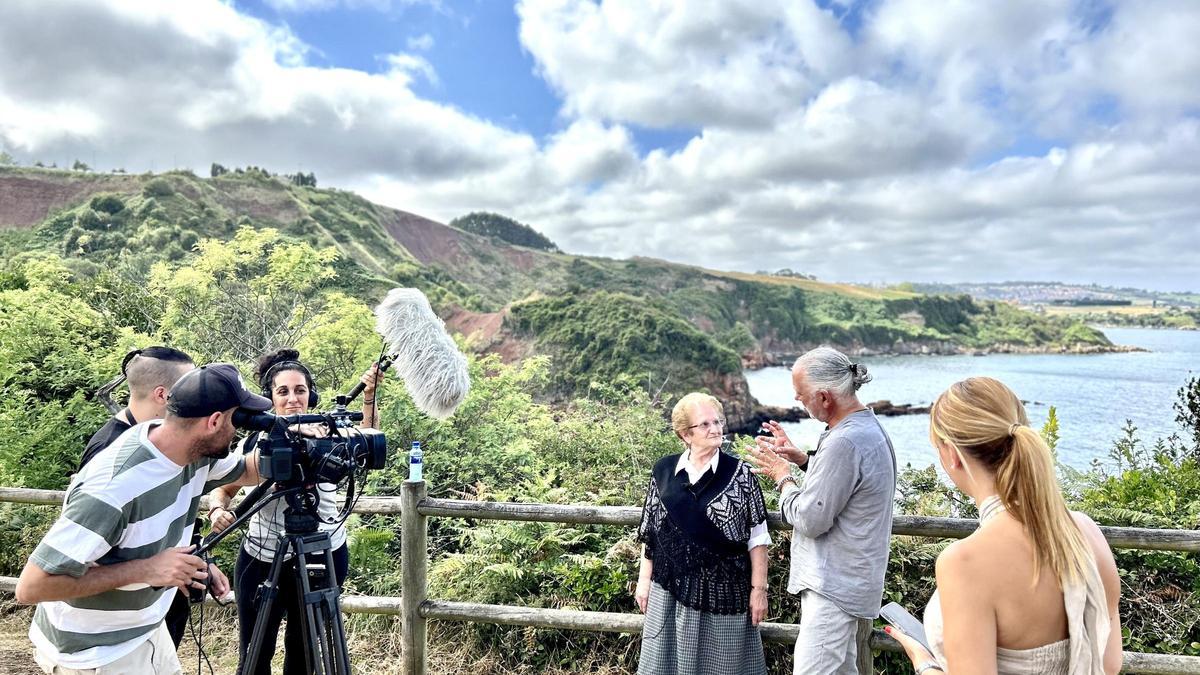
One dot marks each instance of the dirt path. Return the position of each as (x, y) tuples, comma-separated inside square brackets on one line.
[(16, 654)]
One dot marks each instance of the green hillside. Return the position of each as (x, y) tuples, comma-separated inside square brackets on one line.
[(651, 320), (94, 265)]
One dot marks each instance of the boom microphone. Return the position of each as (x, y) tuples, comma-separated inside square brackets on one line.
[(425, 356)]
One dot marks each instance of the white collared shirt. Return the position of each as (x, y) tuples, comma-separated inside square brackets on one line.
[(759, 536)]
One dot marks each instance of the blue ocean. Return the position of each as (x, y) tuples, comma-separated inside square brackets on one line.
[(1094, 394)]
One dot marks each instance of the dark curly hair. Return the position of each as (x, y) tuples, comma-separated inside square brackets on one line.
[(272, 363)]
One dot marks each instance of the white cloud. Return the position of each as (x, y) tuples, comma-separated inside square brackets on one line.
[(302, 5), (587, 152), (421, 43), (402, 67), (881, 153), (1148, 57), (683, 64), (152, 85)]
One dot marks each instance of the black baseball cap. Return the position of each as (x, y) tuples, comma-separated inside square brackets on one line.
[(215, 387)]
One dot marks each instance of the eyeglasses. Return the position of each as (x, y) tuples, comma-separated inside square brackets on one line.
[(709, 424)]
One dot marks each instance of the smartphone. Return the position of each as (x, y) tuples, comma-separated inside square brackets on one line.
[(902, 619)]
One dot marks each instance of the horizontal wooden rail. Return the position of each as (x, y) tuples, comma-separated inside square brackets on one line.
[(918, 526), (615, 622), (31, 496), (576, 514), (780, 633), (607, 622), (628, 516)]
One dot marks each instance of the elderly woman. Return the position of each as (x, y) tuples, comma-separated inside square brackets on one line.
[(1035, 588), (703, 581)]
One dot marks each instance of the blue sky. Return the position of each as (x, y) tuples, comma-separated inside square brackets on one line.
[(857, 140), (473, 48)]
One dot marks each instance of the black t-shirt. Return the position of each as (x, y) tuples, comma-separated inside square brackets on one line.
[(114, 427)]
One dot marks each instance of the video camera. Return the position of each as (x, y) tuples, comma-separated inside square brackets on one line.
[(285, 456)]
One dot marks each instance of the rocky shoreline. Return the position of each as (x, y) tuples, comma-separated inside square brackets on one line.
[(769, 359), (752, 423)]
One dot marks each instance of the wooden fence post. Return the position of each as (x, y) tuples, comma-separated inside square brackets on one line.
[(414, 562), (866, 658)]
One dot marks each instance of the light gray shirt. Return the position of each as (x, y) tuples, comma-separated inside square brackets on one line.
[(841, 517)]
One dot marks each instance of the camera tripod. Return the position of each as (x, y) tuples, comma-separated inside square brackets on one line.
[(324, 635)]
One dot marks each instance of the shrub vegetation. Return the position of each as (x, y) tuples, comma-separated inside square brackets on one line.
[(172, 262)]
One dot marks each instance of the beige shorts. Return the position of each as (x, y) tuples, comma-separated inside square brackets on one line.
[(156, 655)]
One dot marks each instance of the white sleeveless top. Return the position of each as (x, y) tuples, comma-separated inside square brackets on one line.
[(1081, 653), (266, 526)]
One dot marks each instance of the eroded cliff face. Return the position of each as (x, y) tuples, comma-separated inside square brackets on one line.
[(741, 409), (27, 197)]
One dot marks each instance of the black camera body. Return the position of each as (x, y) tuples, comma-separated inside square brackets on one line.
[(285, 456)]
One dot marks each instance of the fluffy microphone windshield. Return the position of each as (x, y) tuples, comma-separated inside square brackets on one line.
[(426, 358)]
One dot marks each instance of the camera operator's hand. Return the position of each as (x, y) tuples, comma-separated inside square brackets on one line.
[(311, 430), (174, 567), (219, 587), (220, 518)]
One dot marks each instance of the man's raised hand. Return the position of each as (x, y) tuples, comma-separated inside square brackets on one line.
[(776, 440)]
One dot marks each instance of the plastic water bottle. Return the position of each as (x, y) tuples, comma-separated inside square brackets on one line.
[(415, 462)]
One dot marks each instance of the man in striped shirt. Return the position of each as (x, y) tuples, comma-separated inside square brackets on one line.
[(106, 572)]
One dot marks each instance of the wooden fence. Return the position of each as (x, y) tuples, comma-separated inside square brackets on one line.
[(416, 609)]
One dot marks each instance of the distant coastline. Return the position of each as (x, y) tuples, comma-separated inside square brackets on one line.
[(1103, 325), (768, 359)]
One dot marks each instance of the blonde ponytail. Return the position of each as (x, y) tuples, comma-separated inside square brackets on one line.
[(1028, 488), (984, 419)]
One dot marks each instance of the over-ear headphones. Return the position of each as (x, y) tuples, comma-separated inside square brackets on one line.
[(129, 356), (314, 397)]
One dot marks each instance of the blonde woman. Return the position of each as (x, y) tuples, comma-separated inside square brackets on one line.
[(703, 580), (1035, 588)]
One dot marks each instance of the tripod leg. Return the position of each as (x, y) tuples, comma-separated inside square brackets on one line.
[(332, 609), (265, 600), (311, 626), (322, 616)]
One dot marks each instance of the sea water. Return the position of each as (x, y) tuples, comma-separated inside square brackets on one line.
[(1094, 394)]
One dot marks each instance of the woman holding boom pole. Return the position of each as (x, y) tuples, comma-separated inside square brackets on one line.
[(289, 385)]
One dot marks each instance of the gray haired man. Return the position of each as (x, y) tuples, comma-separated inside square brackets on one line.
[(842, 514)]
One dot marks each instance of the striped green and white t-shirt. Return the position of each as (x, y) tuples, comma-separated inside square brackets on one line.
[(130, 502)]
